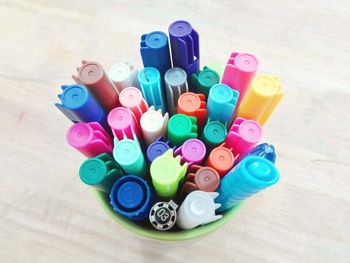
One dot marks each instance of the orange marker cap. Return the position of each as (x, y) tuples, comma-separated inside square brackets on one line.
[(192, 104), (221, 159)]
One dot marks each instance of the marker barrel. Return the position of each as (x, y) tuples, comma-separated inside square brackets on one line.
[(123, 75), (157, 149), (100, 172), (261, 98), (263, 150), (250, 176), (90, 139), (154, 49), (221, 159), (192, 151), (203, 80), (93, 76), (201, 178), (123, 124), (132, 99), (184, 42), (175, 85), (131, 197), (214, 133), (181, 128), (192, 104)]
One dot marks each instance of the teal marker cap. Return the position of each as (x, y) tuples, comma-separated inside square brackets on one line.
[(214, 133), (204, 79)]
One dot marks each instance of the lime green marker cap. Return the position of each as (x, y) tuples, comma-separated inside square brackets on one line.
[(214, 133), (100, 172), (181, 128), (204, 79), (218, 68), (166, 173)]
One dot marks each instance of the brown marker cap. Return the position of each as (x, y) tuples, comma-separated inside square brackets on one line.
[(90, 73), (207, 179)]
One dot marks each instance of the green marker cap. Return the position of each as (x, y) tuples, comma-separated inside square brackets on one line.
[(100, 172), (214, 133), (204, 79), (181, 128)]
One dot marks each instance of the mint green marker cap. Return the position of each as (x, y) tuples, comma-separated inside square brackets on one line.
[(181, 128), (218, 68), (214, 133), (100, 172), (129, 156), (204, 79)]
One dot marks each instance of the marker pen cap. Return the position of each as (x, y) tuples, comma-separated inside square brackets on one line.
[(123, 75), (181, 128), (175, 85), (154, 49), (261, 98), (100, 172), (131, 197), (243, 135), (221, 159), (221, 103), (192, 104), (122, 122), (250, 176), (204, 79), (201, 178), (156, 149), (218, 68), (184, 41), (163, 215), (151, 87), (166, 173), (79, 105), (214, 133), (89, 138), (192, 151), (263, 150), (239, 72), (128, 155), (153, 125), (198, 208), (93, 76), (132, 99)]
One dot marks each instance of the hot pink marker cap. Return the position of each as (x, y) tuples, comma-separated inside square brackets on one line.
[(192, 151), (90, 139), (243, 135), (122, 123), (132, 99), (239, 73)]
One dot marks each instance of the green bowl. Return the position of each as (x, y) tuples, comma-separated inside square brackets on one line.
[(103, 199)]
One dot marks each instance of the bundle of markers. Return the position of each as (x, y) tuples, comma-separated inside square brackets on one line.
[(173, 144)]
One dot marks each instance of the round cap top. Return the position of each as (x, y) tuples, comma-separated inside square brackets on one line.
[(221, 93), (246, 62), (200, 204), (74, 96), (156, 39), (119, 72), (80, 134), (222, 158), (180, 125), (92, 171), (149, 75), (130, 97), (156, 149), (119, 118), (130, 195), (90, 73), (180, 28), (250, 131), (162, 216), (266, 85), (175, 77), (126, 152), (207, 179), (259, 171), (151, 121), (189, 102), (215, 132), (208, 78), (193, 150), (164, 170)]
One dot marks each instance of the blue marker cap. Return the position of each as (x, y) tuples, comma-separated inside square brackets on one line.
[(249, 177), (80, 106), (131, 197), (154, 49), (151, 87), (263, 150), (184, 41), (156, 149)]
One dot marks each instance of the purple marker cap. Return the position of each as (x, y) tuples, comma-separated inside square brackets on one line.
[(192, 151), (156, 149)]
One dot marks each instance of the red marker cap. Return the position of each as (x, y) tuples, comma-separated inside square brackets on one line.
[(201, 178), (192, 104), (221, 159)]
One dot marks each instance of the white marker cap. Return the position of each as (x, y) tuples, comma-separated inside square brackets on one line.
[(124, 75)]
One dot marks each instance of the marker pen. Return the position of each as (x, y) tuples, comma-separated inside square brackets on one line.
[(123, 75)]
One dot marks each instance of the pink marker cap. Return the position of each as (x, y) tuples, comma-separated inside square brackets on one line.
[(90, 139), (243, 135), (122, 123), (192, 151), (132, 99)]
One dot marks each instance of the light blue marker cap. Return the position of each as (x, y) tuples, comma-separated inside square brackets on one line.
[(151, 87), (250, 176), (221, 103)]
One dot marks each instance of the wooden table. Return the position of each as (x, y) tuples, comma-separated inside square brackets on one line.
[(47, 215)]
